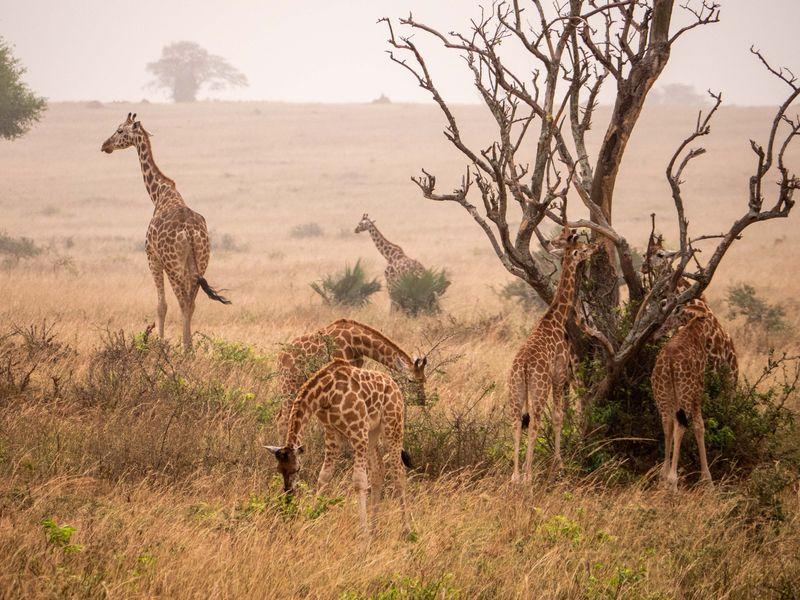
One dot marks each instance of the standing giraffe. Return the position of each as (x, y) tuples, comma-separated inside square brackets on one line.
[(677, 379), (542, 365), (177, 237), (398, 264), (719, 345), (363, 406)]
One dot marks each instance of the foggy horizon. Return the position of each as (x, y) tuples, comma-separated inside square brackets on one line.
[(321, 53)]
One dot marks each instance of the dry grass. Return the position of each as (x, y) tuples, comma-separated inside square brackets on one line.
[(155, 459)]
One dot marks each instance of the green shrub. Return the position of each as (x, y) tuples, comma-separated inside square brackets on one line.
[(419, 293), (306, 230), (351, 287), (745, 429), (744, 301)]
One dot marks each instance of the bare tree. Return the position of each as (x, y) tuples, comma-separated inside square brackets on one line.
[(185, 67), (573, 50)]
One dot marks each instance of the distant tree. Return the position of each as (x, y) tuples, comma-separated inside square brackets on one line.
[(20, 108), (675, 94), (185, 67)]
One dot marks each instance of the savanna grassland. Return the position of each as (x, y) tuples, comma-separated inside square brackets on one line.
[(130, 470)]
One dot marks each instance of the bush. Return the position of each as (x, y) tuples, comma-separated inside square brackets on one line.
[(419, 293), (348, 288), (745, 429), (306, 230), (18, 248), (744, 301)]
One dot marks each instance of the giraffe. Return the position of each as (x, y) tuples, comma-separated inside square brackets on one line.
[(542, 365), (177, 238), (398, 264), (722, 357), (677, 380), (348, 340), (363, 406)]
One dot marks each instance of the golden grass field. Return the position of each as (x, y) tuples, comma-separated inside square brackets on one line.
[(171, 494)]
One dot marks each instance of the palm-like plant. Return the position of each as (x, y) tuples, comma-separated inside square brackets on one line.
[(350, 287)]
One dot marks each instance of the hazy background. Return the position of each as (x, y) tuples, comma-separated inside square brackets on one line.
[(333, 51)]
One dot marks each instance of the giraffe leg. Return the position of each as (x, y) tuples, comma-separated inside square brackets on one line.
[(333, 449), (361, 480), (560, 400), (668, 425), (397, 471), (518, 399), (677, 436), (536, 398), (187, 310), (699, 435), (158, 277), (377, 473)]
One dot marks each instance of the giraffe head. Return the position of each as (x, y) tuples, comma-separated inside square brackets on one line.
[(364, 224), (658, 261), (288, 463), (124, 136), (567, 237), (417, 378)]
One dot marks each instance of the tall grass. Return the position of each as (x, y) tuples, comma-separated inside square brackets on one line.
[(132, 470), (350, 287)]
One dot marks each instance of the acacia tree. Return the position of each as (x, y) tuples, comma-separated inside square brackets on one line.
[(185, 67), (573, 50), (20, 108)]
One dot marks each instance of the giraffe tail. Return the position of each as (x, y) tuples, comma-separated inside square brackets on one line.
[(406, 458), (211, 292)]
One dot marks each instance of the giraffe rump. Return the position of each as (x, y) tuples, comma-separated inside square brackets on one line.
[(211, 292)]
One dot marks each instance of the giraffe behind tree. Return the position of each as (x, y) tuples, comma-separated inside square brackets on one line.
[(177, 238), (541, 367), (398, 263)]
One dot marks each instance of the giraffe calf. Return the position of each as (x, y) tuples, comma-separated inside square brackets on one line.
[(678, 378), (365, 407)]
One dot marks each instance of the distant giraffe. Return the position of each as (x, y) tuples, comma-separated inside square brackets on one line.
[(364, 407), (541, 367), (177, 238), (398, 263), (678, 379)]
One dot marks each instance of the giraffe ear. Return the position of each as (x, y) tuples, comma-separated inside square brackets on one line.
[(274, 449), (299, 449)]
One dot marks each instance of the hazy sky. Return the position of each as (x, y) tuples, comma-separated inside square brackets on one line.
[(332, 50)]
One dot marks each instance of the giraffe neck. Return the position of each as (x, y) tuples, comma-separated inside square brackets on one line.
[(564, 298), (373, 344), (302, 408), (154, 180), (389, 250)]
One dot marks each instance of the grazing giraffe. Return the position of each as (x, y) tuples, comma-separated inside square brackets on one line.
[(349, 340), (678, 379), (363, 406), (542, 365), (177, 237), (398, 264)]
